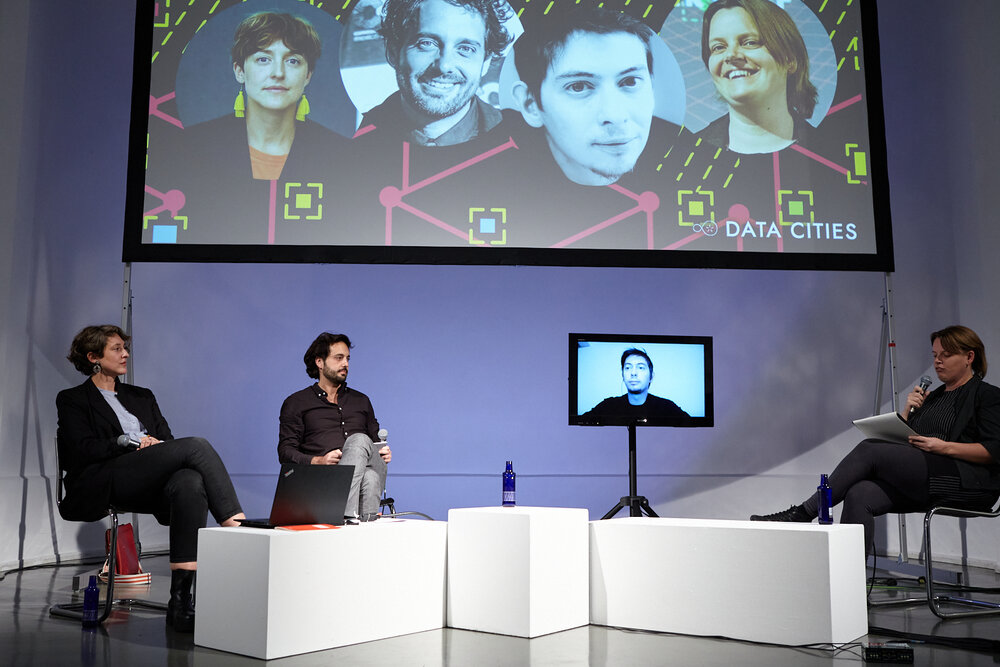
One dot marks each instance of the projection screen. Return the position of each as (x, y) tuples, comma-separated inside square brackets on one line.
[(728, 134)]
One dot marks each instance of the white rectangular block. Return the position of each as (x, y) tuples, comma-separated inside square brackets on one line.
[(784, 583), (520, 571), (274, 593)]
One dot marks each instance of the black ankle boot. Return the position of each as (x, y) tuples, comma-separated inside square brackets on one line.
[(180, 608)]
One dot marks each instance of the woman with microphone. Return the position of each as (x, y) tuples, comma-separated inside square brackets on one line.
[(955, 459)]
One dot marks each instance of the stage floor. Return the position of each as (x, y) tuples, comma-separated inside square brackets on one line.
[(29, 636)]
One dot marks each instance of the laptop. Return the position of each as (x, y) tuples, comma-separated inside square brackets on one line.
[(308, 494)]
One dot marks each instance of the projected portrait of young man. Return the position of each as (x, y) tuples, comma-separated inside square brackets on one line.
[(440, 50), (586, 82), (637, 403), (759, 64)]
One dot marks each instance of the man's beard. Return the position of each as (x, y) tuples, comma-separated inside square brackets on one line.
[(433, 106), (334, 377)]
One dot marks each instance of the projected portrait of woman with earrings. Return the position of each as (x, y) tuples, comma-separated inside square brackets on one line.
[(255, 159), (760, 67), (273, 60)]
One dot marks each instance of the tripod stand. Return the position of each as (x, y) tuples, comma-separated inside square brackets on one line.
[(637, 504)]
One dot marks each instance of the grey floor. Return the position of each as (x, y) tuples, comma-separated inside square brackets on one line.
[(29, 636)]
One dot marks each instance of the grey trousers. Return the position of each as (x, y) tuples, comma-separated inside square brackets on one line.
[(369, 474)]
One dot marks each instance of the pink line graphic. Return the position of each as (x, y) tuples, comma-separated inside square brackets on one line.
[(154, 109), (647, 202), (391, 197), (824, 161), (846, 103), (171, 200)]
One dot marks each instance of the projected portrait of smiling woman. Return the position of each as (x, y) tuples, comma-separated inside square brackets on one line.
[(760, 67)]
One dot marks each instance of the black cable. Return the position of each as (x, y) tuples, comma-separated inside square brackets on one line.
[(824, 647), (399, 514)]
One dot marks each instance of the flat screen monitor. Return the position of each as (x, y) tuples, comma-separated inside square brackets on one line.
[(245, 148), (646, 380)]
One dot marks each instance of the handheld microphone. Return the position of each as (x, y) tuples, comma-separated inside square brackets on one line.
[(125, 441), (925, 382), (382, 435)]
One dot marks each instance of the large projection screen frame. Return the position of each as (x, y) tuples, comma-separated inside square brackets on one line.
[(739, 240)]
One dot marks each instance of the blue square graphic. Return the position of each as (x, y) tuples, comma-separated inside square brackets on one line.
[(487, 225), (164, 234)]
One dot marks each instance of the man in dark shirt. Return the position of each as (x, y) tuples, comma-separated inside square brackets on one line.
[(329, 423), (637, 404)]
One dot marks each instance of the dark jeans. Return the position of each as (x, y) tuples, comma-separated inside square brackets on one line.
[(876, 478), (179, 481)]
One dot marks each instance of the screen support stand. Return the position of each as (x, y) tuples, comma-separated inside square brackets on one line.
[(126, 326), (636, 504)]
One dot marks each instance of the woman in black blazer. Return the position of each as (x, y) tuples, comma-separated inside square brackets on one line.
[(117, 450), (955, 459)]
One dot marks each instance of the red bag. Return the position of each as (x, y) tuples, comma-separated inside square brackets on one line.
[(127, 569)]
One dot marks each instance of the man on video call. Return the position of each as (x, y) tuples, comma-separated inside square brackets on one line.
[(329, 423), (440, 50), (637, 403)]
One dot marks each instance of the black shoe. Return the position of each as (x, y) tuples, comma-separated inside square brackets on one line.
[(794, 514), (180, 607)]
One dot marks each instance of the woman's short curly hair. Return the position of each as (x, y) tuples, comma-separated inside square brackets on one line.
[(92, 339)]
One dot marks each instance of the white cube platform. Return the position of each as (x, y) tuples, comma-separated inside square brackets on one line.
[(274, 593), (520, 571), (784, 583)]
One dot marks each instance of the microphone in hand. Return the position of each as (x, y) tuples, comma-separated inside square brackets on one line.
[(127, 442), (925, 382)]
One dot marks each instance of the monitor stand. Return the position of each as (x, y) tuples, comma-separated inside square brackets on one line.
[(638, 505)]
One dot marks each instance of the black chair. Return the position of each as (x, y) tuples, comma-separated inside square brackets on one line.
[(936, 600), (74, 610)]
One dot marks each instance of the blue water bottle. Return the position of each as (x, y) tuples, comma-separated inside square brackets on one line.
[(91, 595), (825, 500), (508, 485)]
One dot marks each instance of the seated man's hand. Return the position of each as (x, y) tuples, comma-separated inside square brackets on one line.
[(385, 453), (331, 458)]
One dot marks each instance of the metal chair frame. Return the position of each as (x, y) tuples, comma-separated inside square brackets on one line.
[(936, 600), (74, 610)]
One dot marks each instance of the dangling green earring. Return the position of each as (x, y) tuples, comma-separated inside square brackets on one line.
[(303, 110), (239, 107)]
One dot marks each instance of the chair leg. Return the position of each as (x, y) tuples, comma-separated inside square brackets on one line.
[(74, 610), (934, 601)]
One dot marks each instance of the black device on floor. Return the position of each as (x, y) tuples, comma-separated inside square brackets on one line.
[(888, 653)]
